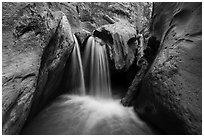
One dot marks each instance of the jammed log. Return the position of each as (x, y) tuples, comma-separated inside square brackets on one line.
[(108, 19), (142, 63), (133, 90)]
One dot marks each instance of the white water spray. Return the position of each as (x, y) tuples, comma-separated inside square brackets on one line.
[(86, 115)]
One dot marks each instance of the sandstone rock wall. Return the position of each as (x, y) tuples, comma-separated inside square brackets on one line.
[(36, 46), (171, 94)]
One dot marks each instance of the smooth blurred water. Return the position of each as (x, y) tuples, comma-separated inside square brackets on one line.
[(86, 115), (75, 75), (96, 68)]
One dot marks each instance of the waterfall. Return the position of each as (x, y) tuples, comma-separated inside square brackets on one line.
[(96, 68), (94, 111), (75, 74)]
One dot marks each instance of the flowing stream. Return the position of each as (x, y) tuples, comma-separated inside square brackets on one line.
[(91, 110)]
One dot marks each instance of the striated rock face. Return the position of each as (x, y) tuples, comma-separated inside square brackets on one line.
[(121, 49), (171, 94), (36, 44)]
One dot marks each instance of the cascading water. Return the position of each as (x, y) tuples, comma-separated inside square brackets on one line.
[(75, 75), (93, 113), (96, 68)]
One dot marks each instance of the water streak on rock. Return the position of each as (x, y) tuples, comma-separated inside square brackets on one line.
[(76, 75)]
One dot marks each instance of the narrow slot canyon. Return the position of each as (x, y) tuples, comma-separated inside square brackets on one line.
[(93, 68)]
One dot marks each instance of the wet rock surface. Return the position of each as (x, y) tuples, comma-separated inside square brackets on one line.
[(170, 97), (36, 44)]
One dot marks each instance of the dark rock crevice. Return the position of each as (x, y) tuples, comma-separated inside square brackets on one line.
[(105, 35)]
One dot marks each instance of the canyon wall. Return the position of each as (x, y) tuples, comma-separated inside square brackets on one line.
[(170, 97)]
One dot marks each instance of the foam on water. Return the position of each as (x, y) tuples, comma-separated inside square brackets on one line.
[(72, 114)]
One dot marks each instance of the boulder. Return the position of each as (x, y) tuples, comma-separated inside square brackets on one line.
[(119, 38), (36, 43), (170, 97)]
